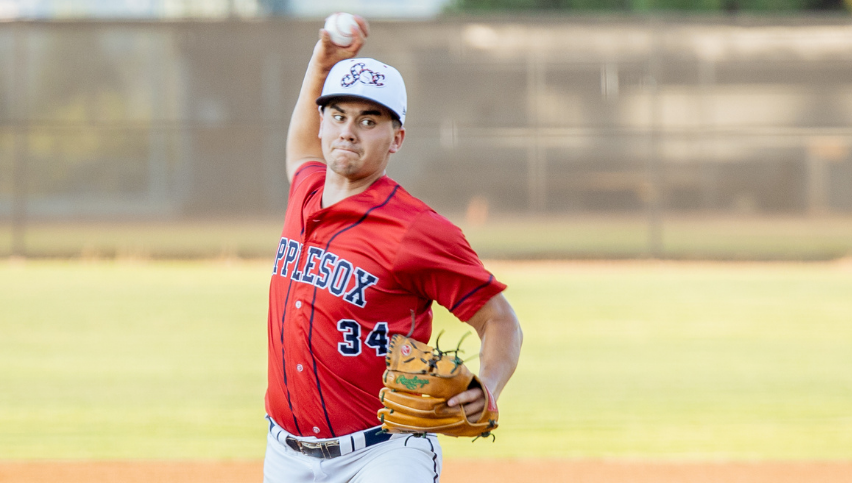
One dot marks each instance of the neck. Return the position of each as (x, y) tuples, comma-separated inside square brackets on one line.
[(338, 188)]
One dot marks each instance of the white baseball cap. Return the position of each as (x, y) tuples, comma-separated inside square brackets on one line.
[(366, 79)]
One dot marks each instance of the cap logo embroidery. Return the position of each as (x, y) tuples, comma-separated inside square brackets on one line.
[(360, 73)]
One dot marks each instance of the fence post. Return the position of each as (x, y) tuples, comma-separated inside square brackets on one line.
[(19, 142), (536, 150), (654, 192)]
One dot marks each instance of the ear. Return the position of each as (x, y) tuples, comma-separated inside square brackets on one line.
[(398, 138)]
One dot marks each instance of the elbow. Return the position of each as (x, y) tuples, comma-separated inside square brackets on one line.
[(514, 325), (520, 334), (518, 338), (512, 332)]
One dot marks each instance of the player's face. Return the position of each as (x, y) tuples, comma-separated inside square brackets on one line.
[(358, 137)]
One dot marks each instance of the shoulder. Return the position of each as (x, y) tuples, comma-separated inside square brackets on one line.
[(435, 261), (418, 219), (396, 202), (307, 177), (430, 219), (428, 235), (431, 232), (425, 222)]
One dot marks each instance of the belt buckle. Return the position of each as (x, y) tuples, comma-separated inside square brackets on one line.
[(312, 447)]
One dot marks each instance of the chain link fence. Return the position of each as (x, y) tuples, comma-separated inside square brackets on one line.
[(647, 117)]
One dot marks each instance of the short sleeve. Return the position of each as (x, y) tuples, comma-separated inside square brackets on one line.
[(436, 262), (307, 177)]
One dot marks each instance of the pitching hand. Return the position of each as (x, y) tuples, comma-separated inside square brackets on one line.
[(327, 53)]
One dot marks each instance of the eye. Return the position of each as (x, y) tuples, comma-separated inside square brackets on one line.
[(367, 122), (337, 117)]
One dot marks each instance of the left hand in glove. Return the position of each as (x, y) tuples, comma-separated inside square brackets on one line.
[(419, 381)]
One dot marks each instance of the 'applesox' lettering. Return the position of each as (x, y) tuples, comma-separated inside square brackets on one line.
[(323, 270)]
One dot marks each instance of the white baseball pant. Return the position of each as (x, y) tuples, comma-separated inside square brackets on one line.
[(401, 459)]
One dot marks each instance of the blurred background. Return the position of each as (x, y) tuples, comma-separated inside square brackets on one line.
[(711, 129)]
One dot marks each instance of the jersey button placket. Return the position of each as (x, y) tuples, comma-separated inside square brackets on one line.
[(313, 226)]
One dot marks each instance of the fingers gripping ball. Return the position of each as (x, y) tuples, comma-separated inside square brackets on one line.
[(418, 382), (339, 27)]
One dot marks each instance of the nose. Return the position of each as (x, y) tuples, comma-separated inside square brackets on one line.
[(347, 133)]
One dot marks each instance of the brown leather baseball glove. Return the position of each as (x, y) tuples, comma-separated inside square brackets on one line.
[(418, 381)]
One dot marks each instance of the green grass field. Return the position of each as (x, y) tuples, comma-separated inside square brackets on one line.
[(167, 360)]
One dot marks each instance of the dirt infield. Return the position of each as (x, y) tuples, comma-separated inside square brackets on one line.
[(455, 471)]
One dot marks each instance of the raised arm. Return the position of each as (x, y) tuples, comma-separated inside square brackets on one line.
[(303, 143), (501, 337)]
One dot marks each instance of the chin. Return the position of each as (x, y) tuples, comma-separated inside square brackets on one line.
[(343, 169)]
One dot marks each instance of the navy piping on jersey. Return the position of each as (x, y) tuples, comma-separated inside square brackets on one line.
[(477, 289), (284, 359), (313, 304), (284, 317), (304, 167)]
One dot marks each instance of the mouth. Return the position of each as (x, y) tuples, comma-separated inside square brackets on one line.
[(347, 150)]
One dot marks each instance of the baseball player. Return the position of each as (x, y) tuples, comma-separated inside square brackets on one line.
[(359, 260)]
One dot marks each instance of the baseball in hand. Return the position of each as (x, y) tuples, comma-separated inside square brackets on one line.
[(339, 27)]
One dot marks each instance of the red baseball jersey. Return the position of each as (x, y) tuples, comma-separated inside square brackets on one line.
[(345, 279)]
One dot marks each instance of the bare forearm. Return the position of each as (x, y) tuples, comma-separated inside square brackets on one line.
[(501, 337), (303, 142), (302, 136), (500, 350)]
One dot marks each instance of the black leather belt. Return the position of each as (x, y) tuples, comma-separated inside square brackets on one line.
[(332, 448), (319, 449)]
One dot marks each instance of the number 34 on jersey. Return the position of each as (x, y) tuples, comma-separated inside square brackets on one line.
[(351, 345)]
